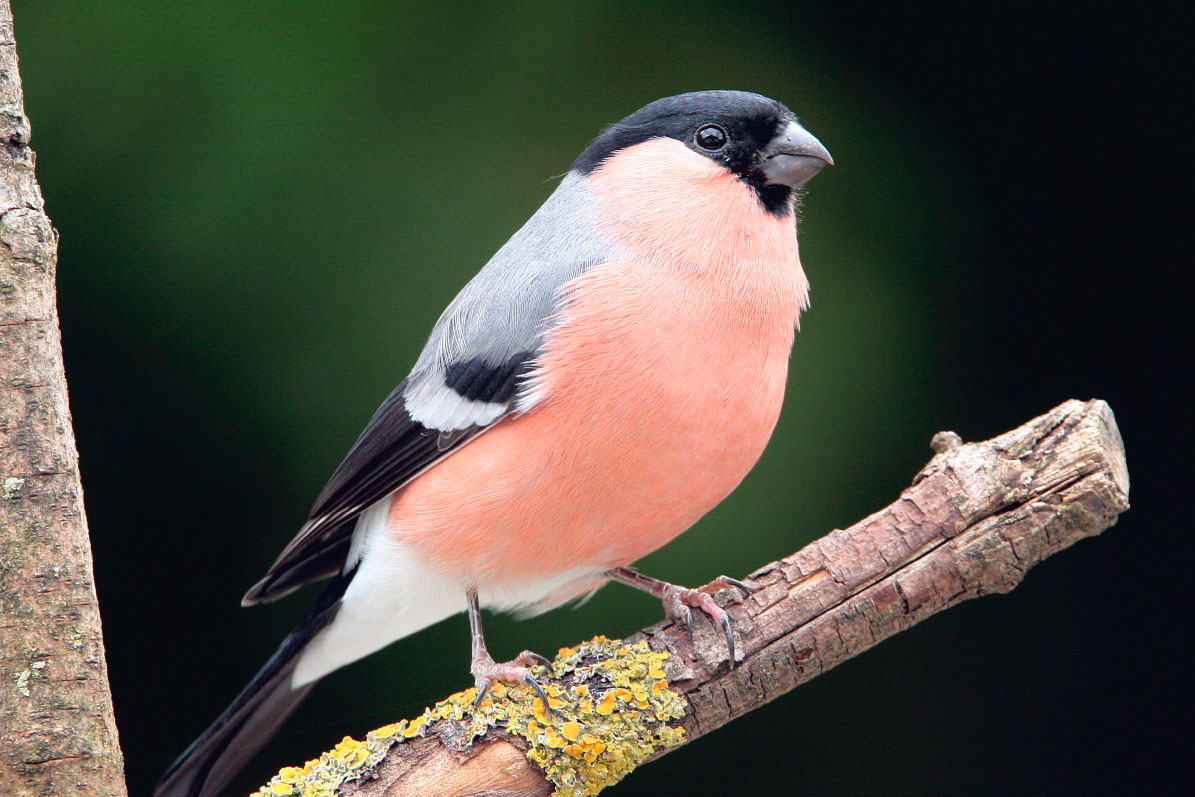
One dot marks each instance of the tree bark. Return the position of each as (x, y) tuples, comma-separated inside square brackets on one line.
[(976, 518), (57, 732)]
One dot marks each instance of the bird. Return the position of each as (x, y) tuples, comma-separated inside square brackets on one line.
[(610, 375)]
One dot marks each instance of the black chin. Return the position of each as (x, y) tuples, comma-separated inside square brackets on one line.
[(776, 198)]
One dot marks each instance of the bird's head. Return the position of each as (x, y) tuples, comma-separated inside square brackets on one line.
[(753, 138)]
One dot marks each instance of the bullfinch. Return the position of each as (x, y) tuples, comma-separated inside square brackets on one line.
[(610, 375)]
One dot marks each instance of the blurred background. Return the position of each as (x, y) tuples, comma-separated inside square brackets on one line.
[(264, 207)]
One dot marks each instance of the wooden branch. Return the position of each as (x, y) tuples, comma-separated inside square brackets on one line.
[(57, 732), (975, 520)]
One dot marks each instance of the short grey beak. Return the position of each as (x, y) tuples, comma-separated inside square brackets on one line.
[(793, 157)]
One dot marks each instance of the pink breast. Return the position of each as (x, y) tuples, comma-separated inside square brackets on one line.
[(661, 385)]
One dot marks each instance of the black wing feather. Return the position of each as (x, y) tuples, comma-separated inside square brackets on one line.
[(393, 449)]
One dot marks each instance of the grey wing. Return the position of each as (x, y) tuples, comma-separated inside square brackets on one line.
[(465, 381)]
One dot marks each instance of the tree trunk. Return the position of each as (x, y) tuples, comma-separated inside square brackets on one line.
[(57, 732)]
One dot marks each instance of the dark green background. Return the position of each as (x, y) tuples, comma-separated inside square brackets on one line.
[(265, 205)]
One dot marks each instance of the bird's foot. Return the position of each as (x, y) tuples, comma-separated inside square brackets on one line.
[(487, 672), (679, 602)]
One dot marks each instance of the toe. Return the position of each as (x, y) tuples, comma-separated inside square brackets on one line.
[(530, 657), (726, 582), (734, 582), (686, 617), (487, 672), (717, 615)]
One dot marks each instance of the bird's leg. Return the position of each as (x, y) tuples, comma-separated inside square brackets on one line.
[(486, 671), (677, 600)]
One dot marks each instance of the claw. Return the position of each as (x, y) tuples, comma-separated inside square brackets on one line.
[(530, 657), (724, 621), (733, 582), (482, 688), (543, 696)]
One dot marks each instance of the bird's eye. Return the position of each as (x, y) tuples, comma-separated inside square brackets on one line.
[(711, 137)]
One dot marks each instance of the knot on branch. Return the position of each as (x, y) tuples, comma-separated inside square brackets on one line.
[(945, 441), (14, 126)]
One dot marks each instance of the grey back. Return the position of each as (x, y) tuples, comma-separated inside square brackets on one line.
[(497, 322)]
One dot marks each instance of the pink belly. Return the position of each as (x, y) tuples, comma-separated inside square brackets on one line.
[(658, 399)]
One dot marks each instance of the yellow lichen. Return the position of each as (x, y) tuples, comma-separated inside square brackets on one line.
[(571, 730), (321, 777), (610, 707), (416, 726), (388, 730), (616, 710)]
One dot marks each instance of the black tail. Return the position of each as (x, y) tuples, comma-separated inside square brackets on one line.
[(226, 746)]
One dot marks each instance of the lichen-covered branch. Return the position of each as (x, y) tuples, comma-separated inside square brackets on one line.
[(977, 517), (57, 733)]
